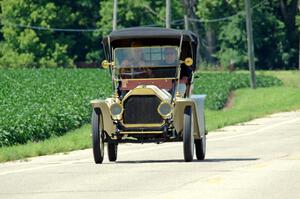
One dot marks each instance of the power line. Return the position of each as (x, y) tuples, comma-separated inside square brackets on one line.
[(175, 22), (4, 21), (215, 20), (225, 18), (52, 29)]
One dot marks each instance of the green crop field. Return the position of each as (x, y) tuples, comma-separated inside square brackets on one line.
[(38, 104)]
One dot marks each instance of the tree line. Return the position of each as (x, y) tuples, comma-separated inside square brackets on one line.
[(44, 33)]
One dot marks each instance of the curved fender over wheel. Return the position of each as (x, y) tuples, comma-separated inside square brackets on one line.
[(188, 137), (97, 136)]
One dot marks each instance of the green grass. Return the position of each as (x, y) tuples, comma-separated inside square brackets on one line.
[(289, 78), (247, 104), (74, 140)]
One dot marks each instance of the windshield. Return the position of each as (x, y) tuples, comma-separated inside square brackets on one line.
[(146, 62)]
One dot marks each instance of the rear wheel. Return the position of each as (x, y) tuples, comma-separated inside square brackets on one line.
[(97, 136), (112, 151), (200, 146), (188, 137)]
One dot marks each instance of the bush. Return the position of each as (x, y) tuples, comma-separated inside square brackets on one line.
[(11, 58)]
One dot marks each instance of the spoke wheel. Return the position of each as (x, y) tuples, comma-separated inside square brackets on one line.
[(112, 151), (188, 137), (200, 146), (97, 136)]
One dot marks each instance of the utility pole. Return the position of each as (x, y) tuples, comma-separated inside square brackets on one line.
[(168, 13), (115, 15), (186, 22), (299, 40), (250, 44), (299, 60)]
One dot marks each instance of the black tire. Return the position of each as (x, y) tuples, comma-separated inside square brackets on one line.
[(112, 151), (97, 136), (188, 137), (200, 146)]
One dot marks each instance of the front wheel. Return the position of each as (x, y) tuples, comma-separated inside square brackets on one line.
[(188, 137), (97, 136)]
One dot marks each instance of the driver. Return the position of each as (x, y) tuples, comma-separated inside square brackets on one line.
[(136, 59), (137, 56), (170, 56)]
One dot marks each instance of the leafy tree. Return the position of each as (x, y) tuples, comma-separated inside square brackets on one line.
[(44, 48), (276, 37), (213, 10), (39, 47), (274, 33), (287, 12), (84, 46)]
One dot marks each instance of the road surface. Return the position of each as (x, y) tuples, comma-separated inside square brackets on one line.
[(257, 159)]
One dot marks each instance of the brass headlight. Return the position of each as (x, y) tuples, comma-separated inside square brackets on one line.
[(165, 109), (188, 61), (116, 110)]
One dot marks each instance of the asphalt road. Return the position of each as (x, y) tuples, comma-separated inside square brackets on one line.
[(258, 159)]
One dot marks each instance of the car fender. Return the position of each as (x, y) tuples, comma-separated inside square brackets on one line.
[(196, 102), (104, 105)]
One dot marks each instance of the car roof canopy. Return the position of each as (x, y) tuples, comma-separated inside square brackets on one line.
[(154, 36), (139, 33)]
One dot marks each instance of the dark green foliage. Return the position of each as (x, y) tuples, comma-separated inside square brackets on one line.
[(132, 13), (48, 48), (275, 35), (37, 104), (276, 38), (217, 86)]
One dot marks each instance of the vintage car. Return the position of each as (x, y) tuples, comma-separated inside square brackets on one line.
[(152, 72)]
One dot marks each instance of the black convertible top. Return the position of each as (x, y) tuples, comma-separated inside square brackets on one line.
[(151, 33)]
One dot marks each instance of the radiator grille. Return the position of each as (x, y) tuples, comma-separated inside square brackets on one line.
[(141, 109)]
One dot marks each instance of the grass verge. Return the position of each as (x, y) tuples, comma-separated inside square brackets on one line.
[(247, 104), (73, 140)]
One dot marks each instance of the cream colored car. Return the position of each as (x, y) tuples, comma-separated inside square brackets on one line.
[(152, 78)]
